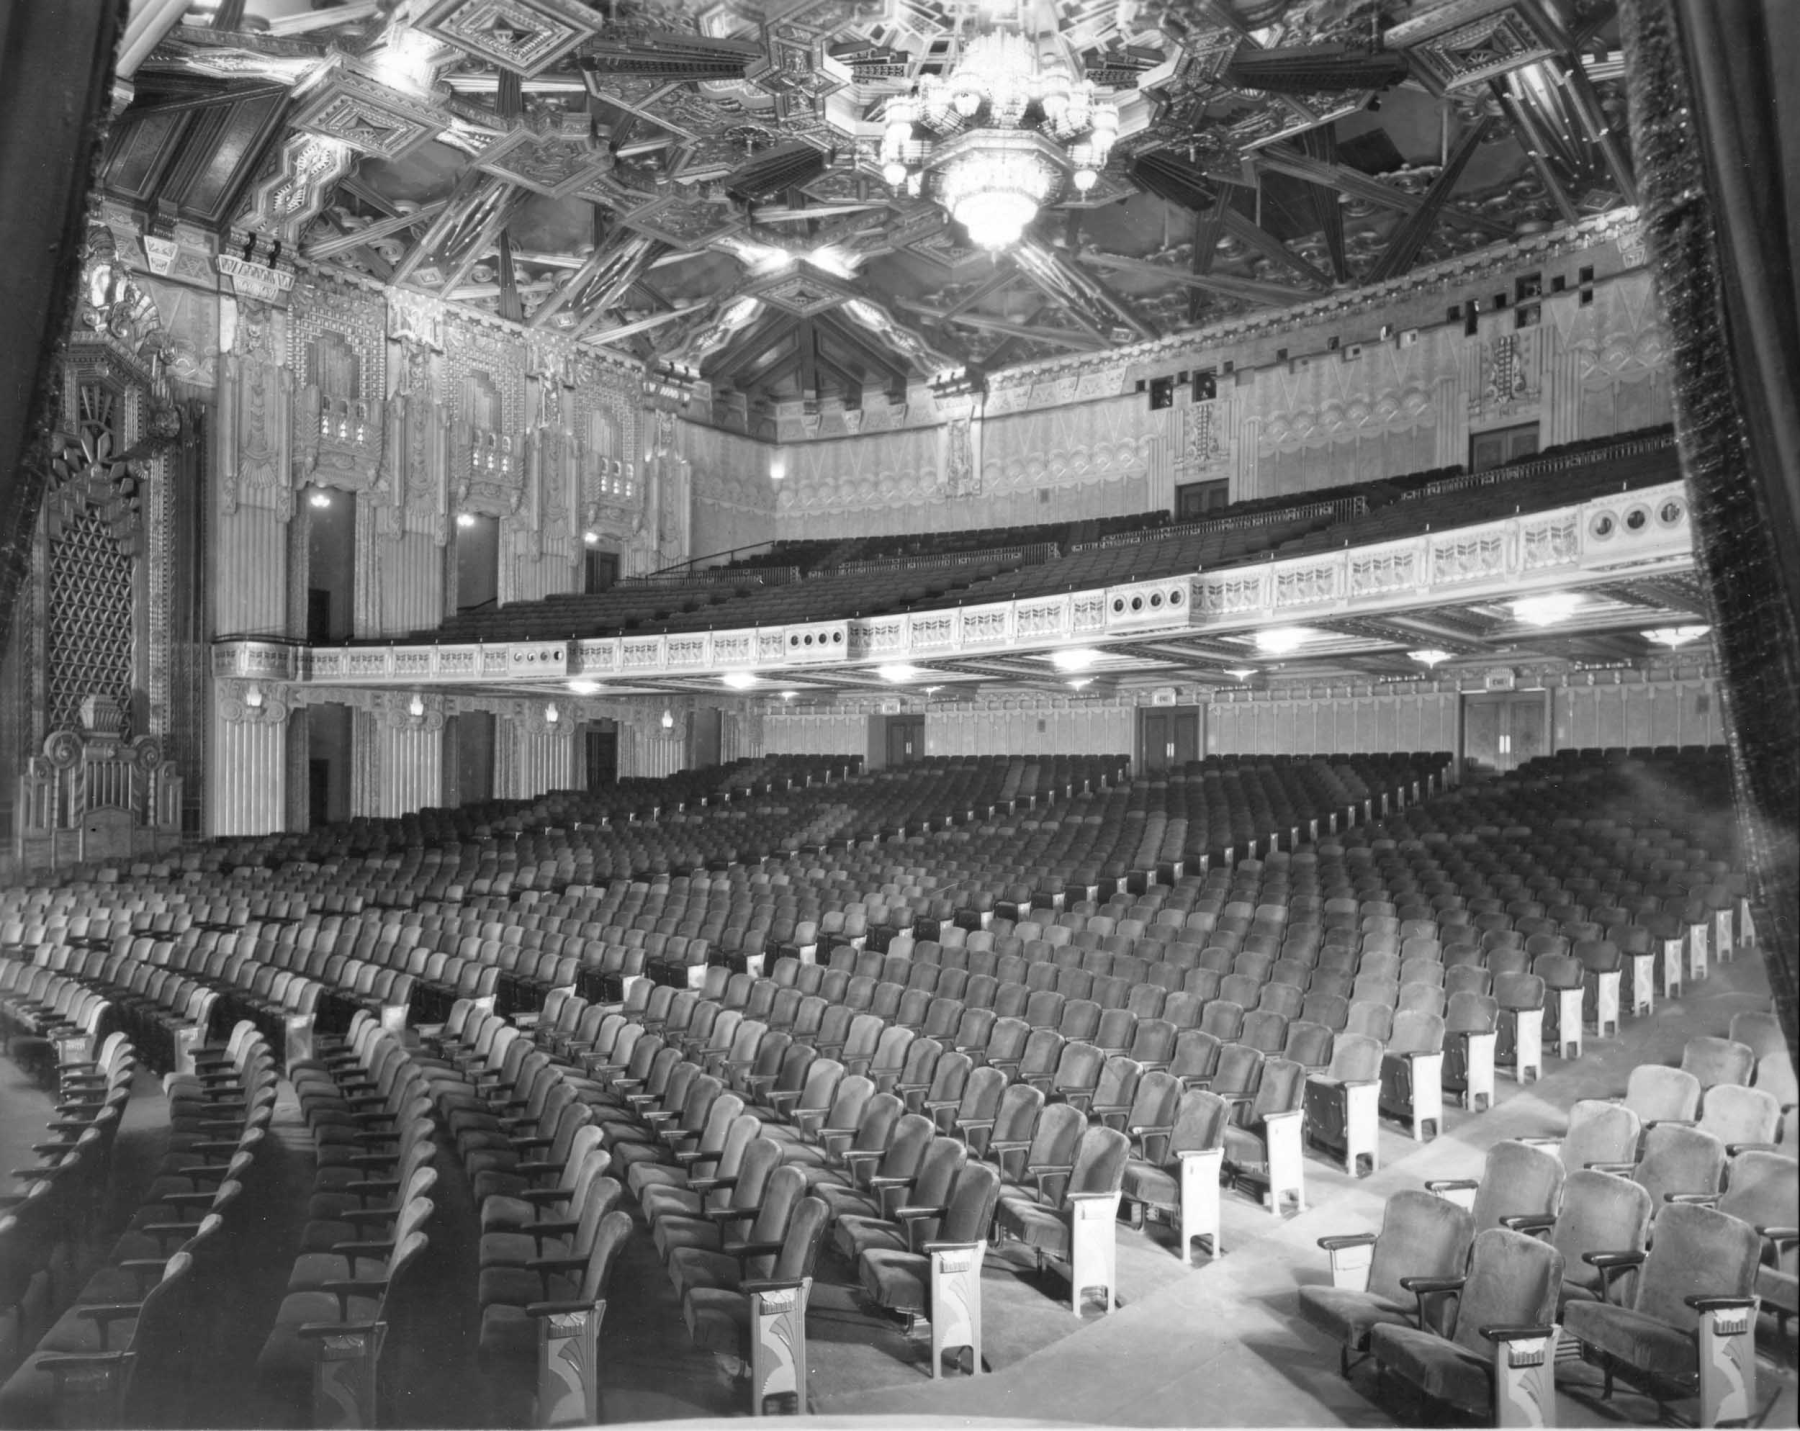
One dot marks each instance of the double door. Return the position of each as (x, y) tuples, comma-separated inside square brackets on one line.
[(1168, 737), (1503, 730), (905, 739)]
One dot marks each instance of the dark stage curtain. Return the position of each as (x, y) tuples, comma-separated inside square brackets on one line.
[(55, 78), (1714, 88)]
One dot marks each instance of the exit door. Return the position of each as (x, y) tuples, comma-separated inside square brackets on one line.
[(1503, 731), (905, 739), (1168, 738)]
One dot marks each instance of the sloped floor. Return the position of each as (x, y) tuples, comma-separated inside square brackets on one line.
[(1213, 1345)]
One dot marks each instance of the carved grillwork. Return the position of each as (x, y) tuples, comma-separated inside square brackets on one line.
[(89, 618)]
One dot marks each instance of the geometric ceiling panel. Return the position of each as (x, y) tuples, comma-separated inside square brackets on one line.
[(553, 156), (1463, 45), (523, 36), (356, 109)]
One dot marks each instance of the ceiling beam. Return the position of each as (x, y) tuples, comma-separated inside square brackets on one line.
[(808, 339), (643, 325), (509, 307), (501, 204), (469, 185), (1251, 290), (747, 346), (353, 185), (1209, 227), (1586, 104), (1403, 248), (1321, 143), (1531, 138), (1084, 341), (625, 263), (382, 228), (1001, 278), (1271, 247), (850, 334), (1082, 296)]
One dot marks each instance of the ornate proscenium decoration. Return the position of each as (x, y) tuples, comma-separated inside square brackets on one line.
[(1001, 134)]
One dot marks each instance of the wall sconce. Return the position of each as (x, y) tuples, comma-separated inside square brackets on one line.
[(778, 467), (320, 499), (591, 538), (465, 519), (416, 706), (668, 720), (253, 697), (552, 714)]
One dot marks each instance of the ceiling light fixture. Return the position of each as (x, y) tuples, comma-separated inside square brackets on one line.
[(1076, 658), (788, 695), (1079, 683), (1001, 133), (1674, 636), (584, 688), (897, 675), (1430, 657), (1548, 609), (1243, 673), (739, 680), (1279, 640)]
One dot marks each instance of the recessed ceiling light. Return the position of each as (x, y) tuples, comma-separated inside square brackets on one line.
[(1279, 640), (584, 688), (1548, 609), (739, 680), (1076, 658), (898, 674)]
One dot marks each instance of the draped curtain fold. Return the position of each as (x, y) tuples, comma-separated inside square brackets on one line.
[(1714, 91)]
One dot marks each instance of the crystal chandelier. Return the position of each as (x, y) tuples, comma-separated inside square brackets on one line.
[(1000, 135)]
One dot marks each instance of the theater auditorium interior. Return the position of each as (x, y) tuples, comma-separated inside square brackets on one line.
[(912, 712)]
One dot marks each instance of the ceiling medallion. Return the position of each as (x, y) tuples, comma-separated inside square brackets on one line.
[(1002, 135)]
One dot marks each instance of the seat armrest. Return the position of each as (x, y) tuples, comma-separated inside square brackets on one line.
[(1347, 1240), (1720, 1304), (1514, 1334), (768, 1284), (1443, 1185), (743, 1251), (558, 1309), (934, 1247), (1528, 1222), (1694, 1199), (908, 1214), (1620, 1168), (1427, 1286)]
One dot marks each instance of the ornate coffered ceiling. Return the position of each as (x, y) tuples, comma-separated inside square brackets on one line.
[(698, 181)]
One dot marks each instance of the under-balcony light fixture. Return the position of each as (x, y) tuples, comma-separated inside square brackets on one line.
[(584, 688), (253, 697), (1430, 657), (551, 713), (898, 674), (1080, 683), (465, 519), (1548, 609), (1243, 673), (1675, 636), (789, 695), (320, 499), (1280, 640), (416, 706), (1076, 658), (739, 680), (668, 719)]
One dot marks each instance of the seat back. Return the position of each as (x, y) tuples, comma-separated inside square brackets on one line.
[(1355, 1058), (1694, 1252), (1735, 1114), (1718, 1060), (1657, 1094), (1678, 1159), (1513, 1282), (1599, 1213), (1600, 1131), (1422, 1235), (970, 1210), (1517, 1180), (1100, 1161)]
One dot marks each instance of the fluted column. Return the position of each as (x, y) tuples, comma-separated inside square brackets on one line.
[(247, 782), (543, 748), (409, 732)]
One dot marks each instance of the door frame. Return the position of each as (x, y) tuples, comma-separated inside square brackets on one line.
[(1141, 763), (1470, 698)]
